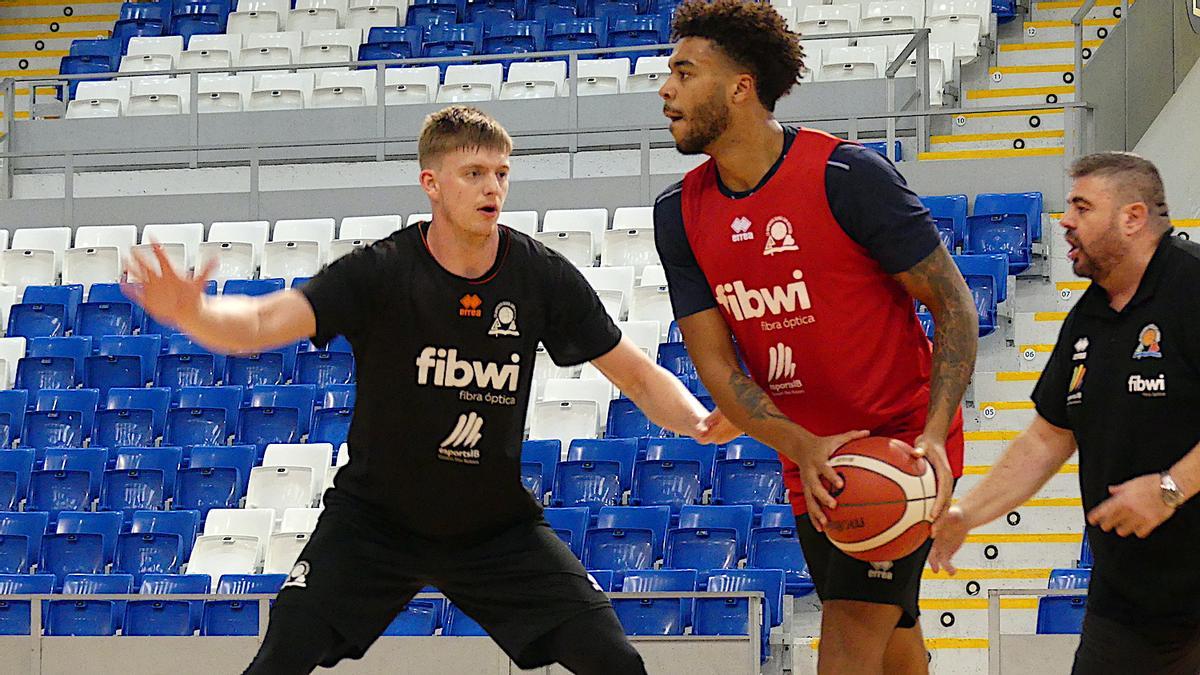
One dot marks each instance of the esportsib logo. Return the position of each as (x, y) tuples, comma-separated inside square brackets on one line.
[(459, 446)]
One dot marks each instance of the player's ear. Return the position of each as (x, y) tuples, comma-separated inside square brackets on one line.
[(429, 183), (1134, 217), (744, 90)]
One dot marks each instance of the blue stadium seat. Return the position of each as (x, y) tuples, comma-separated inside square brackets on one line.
[(157, 617), (105, 524), (418, 618), (240, 584), (485, 17), (125, 29), (570, 524), (611, 11), (15, 468), (123, 361), (667, 483), (12, 415), (550, 13), (737, 517), (777, 515), (572, 34), (295, 396), (64, 554), (987, 277), (126, 407), (182, 522), (142, 553), (331, 425), (129, 490), (391, 42), (538, 460), (685, 449), (745, 447), (75, 347), (127, 427), (198, 19), (1061, 614), (179, 584), (769, 582), (21, 540), (513, 37), (165, 459), (626, 420), (656, 519), (253, 287), (1028, 204), (55, 491), (112, 294), (207, 488), (587, 483), (181, 343), (230, 617), (620, 548), (949, 212), (336, 396), (779, 548), (80, 617), (53, 429), (674, 357), (604, 579), (426, 14), (1075, 578), (226, 398), (88, 583), (30, 320), (1000, 233), (1086, 559), (623, 451), (67, 295), (176, 371), (701, 548), (108, 49), (93, 460), (240, 458), (324, 368), (96, 319), (254, 369), (83, 401), (196, 426), (756, 482), (452, 40), (45, 372), (655, 616), (459, 624), (15, 614), (631, 31)]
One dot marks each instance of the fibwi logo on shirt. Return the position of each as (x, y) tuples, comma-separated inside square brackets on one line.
[(741, 229), (749, 303), (469, 305), (448, 370)]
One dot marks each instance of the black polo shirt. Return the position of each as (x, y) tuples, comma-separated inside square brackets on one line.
[(1128, 385)]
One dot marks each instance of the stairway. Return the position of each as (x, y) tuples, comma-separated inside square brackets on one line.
[(35, 34), (1035, 65)]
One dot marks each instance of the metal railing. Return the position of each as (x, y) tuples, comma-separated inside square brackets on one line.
[(993, 613), (1077, 25)]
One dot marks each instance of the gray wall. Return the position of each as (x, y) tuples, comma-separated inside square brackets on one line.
[(1172, 143)]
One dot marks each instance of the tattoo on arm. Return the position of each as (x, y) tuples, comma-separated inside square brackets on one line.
[(751, 397), (937, 281)]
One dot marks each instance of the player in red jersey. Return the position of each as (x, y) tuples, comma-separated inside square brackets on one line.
[(809, 251)]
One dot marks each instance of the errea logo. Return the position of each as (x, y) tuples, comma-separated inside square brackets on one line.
[(741, 229), (469, 305)]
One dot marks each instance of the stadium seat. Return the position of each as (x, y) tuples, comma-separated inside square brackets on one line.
[(15, 614), (1006, 234), (602, 76), (130, 490), (323, 368), (255, 523), (178, 584), (12, 350), (92, 460), (15, 469), (82, 401), (53, 429), (55, 491), (224, 399), (368, 228), (21, 540), (463, 83), (655, 616), (730, 616), (240, 458), (570, 524), (534, 80), (621, 450), (79, 553), (371, 16), (255, 369), (204, 488), (587, 483), (196, 426), (632, 31), (670, 483), (254, 287), (246, 584), (576, 246), (75, 348), (165, 459), (418, 618), (96, 319), (178, 521), (99, 250), (538, 461), (405, 86), (35, 373), (684, 449), (1069, 578), (333, 90), (564, 420), (211, 50), (31, 320), (779, 548), (1028, 204), (318, 16), (737, 518), (237, 246), (175, 371), (1062, 614), (230, 617), (181, 343), (281, 487), (626, 420), (123, 361), (987, 277), (754, 481), (80, 618), (656, 519), (224, 554), (142, 553), (283, 550), (460, 625), (949, 213), (12, 414), (157, 617)]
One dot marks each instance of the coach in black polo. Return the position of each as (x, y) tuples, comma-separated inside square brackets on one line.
[(1122, 385)]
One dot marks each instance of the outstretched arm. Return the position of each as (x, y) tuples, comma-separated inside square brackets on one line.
[(224, 324)]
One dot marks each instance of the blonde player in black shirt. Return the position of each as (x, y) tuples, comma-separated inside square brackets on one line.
[(444, 319)]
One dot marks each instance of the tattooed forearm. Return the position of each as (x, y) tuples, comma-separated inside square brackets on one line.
[(753, 399), (938, 283)]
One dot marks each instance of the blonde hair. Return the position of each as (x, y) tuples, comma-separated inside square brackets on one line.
[(459, 127)]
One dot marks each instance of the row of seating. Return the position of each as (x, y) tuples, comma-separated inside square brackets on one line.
[(1005, 223)]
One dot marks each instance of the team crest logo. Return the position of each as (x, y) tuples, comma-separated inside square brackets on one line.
[(1149, 346), (299, 575), (779, 236), (504, 320)]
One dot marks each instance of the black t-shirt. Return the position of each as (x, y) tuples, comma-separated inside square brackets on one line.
[(445, 366), (866, 195), (1128, 385)]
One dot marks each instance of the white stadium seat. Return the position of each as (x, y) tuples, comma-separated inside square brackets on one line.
[(256, 523), (319, 230), (854, 63), (281, 91), (300, 519), (331, 46), (976, 12), (941, 65), (258, 16), (369, 228), (347, 89), (644, 334), (205, 51), (54, 239), (653, 275), (366, 18), (12, 349), (170, 46), (315, 456), (612, 280), (318, 15), (237, 246), (100, 99), (633, 246), (181, 241), (897, 8), (278, 44), (602, 76), (159, 96), (575, 246), (652, 303), (848, 12), (649, 73), (599, 391), (534, 80), (218, 555), (959, 30), (564, 420), (521, 221), (569, 220), (414, 218), (411, 85), (277, 488), (284, 550), (633, 216), (812, 30), (471, 83), (98, 254), (144, 63), (224, 93)]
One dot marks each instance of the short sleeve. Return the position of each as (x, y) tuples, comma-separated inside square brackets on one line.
[(578, 327), (1053, 387), (686, 283), (342, 294), (891, 223)]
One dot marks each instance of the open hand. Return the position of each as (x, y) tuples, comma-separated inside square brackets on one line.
[(949, 533), (166, 296), (813, 461), (719, 430), (1135, 507)]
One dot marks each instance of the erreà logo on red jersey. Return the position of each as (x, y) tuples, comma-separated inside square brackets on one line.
[(753, 303)]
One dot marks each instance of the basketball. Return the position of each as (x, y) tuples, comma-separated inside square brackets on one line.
[(884, 507)]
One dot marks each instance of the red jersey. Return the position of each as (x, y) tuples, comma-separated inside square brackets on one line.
[(829, 334)]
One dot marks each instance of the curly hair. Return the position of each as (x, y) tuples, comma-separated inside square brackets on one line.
[(751, 33)]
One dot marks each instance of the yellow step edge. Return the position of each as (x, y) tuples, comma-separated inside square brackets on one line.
[(1018, 70), (1006, 405), (989, 436), (983, 469), (1072, 285), (984, 573), (1018, 376), (82, 34), (19, 115), (990, 154), (1039, 348), (934, 604), (41, 90), (1014, 113), (1075, 4), (53, 3), (1034, 46), (936, 643), (1063, 538), (1046, 502), (1186, 222), (1067, 24), (1006, 136), (28, 73), (1056, 215), (1049, 316), (1002, 92), (55, 54), (47, 20)]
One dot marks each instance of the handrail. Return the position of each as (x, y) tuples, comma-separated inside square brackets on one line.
[(1077, 20), (993, 614)]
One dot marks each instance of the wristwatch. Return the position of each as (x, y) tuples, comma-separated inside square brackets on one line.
[(1171, 495)]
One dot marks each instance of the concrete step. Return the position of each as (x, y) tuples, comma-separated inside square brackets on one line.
[(81, 22), (990, 154), (1041, 53), (1051, 10), (39, 40), (1038, 327), (1007, 385), (998, 96), (1064, 484), (1011, 121), (1001, 415), (1058, 31), (1047, 75), (1059, 549), (34, 60), (1017, 139), (968, 617), (23, 9), (942, 585)]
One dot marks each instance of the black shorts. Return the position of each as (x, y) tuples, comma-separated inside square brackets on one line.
[(838, 576), (358, 571), (1109, 646)]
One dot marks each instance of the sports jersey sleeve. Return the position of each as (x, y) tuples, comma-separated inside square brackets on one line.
[(578, 329), (343, 294), (1050, 394), (686, 283), (876, 208)]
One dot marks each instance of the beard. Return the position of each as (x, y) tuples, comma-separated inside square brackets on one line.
[(705, 125), (1099, 257)]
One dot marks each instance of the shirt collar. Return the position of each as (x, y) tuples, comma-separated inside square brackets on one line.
[(1096, 300)]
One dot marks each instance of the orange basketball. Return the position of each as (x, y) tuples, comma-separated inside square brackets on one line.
[(884, 507)]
